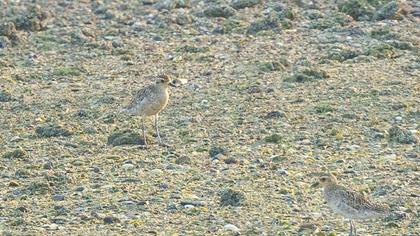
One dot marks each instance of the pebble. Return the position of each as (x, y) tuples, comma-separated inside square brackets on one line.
[(128, 166), (282, 172), (171, 207), (59, 220), (231, 227), (183, 160), (96, 169), (353, 147), (58, 197), (48, 165), (398, 118), (13, 184), (79, 189), (274, 114), (188, 206), (391, 156), (111, 220), (192, 203), (156, 172), (16, 139), (163, 186)]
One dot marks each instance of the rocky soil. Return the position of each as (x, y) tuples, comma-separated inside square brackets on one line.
[(278, 92)]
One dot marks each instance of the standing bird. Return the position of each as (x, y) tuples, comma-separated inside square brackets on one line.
[(150, 101), (349, 203)]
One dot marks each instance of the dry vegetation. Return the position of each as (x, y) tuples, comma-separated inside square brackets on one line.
[(276, 94)]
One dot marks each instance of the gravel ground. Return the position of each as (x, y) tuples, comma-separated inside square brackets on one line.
[(277, 93)]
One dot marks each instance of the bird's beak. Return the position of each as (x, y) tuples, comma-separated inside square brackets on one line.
[(315, 185)]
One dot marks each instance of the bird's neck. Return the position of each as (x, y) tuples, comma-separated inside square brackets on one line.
[(331, 186)]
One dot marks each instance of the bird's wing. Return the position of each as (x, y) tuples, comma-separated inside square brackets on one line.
[(357, 201), (138, 97)]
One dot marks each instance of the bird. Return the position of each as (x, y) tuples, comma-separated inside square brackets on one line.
[(150, 101), (348, 202)]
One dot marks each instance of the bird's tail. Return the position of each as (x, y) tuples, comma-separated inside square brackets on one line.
[(383, 209)]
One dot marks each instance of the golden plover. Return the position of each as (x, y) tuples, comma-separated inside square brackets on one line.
[(150, 101), (349, 203)]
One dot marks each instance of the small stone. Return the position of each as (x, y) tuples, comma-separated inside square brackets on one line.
[(48, 165), (282, 172), (378, 135), (214, 151), (219, 11), (183, 19), (58, 197), (111, 220), (274, 114), (192, 203), (230, 197), (117, 43), (78, 163), (183, 160), (156, 172), (128, 166), (398, 118), (22, 209), (274, 138), (80, 189), (254, 89), (411, 155), (171, 207), (4, 95), (231, 227), (149, 2), (163, 186), (183, 3), (230, 160), (59, 220), (165, 4), (13, 184), (188, 206), (352, 147), (239, 4)]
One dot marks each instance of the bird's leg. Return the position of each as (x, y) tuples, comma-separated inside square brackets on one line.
[(157, 128), (351, 228), (144, 130), (354, 229)]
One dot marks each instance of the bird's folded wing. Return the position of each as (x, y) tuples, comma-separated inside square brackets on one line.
[(357, 201), (138, 97)]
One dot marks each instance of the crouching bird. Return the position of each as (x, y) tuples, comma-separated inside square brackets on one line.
[(150, 101), (349, 203)]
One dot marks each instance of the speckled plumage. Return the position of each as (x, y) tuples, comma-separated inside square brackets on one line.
[(349, 203), (150, 101)]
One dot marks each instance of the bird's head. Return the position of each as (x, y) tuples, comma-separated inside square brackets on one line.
[(325, 180), (165, 80)]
